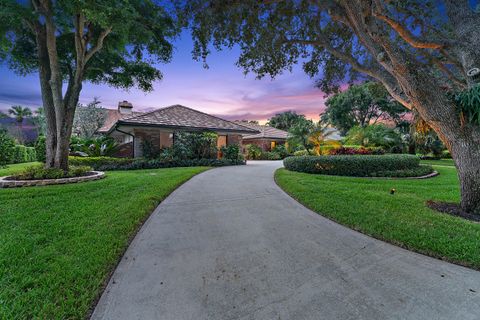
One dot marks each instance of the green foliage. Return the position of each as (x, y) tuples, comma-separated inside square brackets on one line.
[(281, 150), (96, 147), (354, 165), (300, 132), (7, 148), (361, 105), (193, 145), (253, 152), (19, 112), (285, 120), (374, 136), (270, 155), (39, 172), (138, 39), (40, 148), (300, 153), (157, 164), (429, 145), (149, 151), (24, 154), (468, 102), (97, 162), (231, 152), (88, 119)]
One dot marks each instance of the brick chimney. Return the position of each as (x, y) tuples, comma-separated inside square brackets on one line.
[(125, 107)]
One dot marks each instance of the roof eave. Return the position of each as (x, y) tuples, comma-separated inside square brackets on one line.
[(150, 125)]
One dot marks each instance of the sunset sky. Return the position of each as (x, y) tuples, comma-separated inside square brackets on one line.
[(221, 90)]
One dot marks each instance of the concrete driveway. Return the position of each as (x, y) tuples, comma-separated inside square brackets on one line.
[(229, 244)]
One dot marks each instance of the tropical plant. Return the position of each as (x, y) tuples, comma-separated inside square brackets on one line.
[(299, 133), (69, 42), (377, 135), (96, 147), (40, 148), (319, 138), (285, 120), (362, 105), (419, 50), (253, 152), (20, 113)]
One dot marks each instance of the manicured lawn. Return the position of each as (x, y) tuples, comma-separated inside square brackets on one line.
[(15, 168), (403, 219), (58, 244), (441, 162)]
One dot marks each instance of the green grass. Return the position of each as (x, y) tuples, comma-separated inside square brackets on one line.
[(58, 244), (15, 168), (441, 162), (403, 219)]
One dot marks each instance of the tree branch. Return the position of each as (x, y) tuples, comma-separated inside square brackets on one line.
[(99, 44)]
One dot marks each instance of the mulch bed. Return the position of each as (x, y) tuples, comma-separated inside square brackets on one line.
[(452, 209)]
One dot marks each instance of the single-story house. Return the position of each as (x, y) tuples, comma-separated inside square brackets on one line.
[(267, 138), (131, 129)]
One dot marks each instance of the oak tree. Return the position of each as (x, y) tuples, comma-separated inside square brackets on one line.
[(425, 53)]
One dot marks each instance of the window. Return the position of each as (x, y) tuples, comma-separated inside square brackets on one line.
[(273, 144)]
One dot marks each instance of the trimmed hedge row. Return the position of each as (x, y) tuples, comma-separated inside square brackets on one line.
[(356, 165), (22, 154), (97, 162), (109, 164)]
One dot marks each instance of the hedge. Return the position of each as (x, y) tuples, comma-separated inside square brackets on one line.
[(357, 166), (108, 164), (22, 154), (97, 162)]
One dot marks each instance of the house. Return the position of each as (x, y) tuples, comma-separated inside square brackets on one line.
[(131, 129), (267, 137)]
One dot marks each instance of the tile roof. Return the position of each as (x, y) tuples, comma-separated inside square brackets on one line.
[(184, 117), (265, 131)]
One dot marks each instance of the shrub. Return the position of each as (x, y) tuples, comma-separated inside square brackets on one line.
[(357, 151), (355, 165), (98, 162), (38, 172), (281, 150), (253, 152), (41, 149), (7, 148), (231, 152), (156, 164), (301, 153), (148, 150), (270, 156), (22, 154)]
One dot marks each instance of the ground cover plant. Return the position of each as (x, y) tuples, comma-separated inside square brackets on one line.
[(55, 253), (402, 218)]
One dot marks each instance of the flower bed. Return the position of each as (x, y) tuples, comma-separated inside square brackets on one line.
[(11, 182), (359, 165)]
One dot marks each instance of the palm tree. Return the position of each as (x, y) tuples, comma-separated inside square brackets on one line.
[(319, 139), (20, 113)]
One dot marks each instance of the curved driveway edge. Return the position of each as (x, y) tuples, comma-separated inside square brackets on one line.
[(230, 244)]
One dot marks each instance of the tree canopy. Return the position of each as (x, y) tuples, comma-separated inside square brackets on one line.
[(361, 105), (285, 120)]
